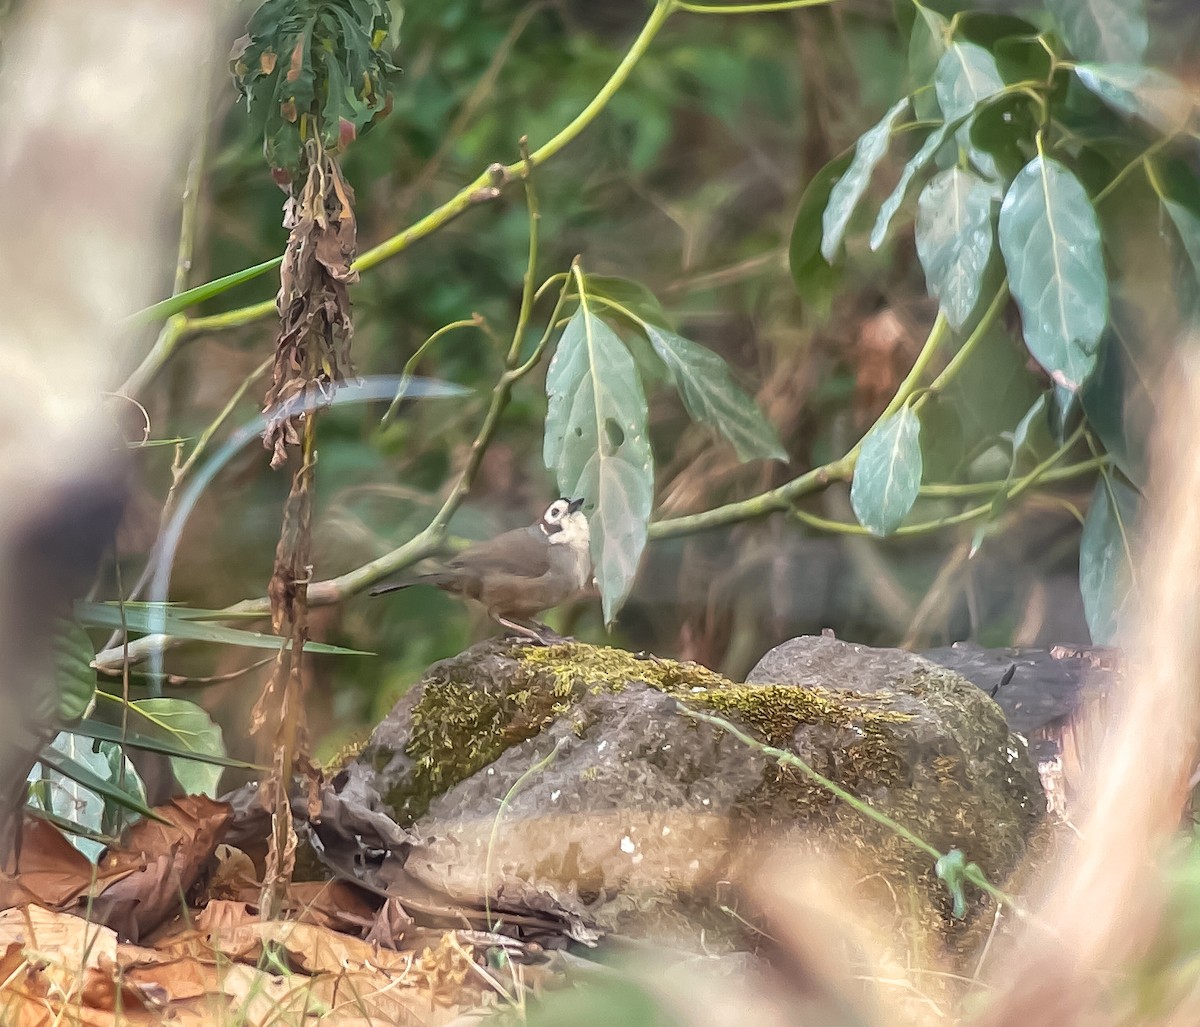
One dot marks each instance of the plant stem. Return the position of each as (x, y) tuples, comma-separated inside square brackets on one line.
[(762, 8)]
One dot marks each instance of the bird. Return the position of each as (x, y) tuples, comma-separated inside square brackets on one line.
[(521, 572)]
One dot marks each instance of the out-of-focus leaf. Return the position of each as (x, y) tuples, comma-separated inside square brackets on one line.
[(814, 277), (888, 208), (849, 189), (1155, 97), (1105, 565), (887, 476), (596, 443), (712, 396), (165, 620), (73, 674), (188, 727), (1051, 244), (1102, 30), (966, 76), (954, 240)]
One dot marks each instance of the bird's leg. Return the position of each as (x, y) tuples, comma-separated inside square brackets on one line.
[(535, 631)]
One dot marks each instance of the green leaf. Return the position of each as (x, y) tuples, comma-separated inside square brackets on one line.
[(100, 731), (75, 760), (967, 76), (1105, 564), (187, 726), (711, 395), (1051, 244), (1036, 415), (850, 188), (891, 205), (631, 295), (954, 240), (926, 44), (74, 677), (1140, 92), (61, 793), (951, 871), (814, 278), (1102, 30), (166, 620), (177, 304), (597, 445), (887, 476)]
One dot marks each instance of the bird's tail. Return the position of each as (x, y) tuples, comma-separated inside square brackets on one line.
[(437, 579)]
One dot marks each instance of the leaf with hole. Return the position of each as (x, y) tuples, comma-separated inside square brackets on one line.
[(1102, 30), (887, 476), (1050, 239), (850, 188), (954, 240), (712, 396), (1105, 557), (596, 443)]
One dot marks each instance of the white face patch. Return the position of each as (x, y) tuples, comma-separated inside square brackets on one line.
[(572, 531)]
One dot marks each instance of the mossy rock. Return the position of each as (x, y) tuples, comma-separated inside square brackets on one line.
[(619, 809)]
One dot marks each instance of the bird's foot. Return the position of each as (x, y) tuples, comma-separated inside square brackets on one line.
[(535, 631)]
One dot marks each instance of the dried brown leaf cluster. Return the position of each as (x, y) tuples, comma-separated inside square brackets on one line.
[(312, 351)]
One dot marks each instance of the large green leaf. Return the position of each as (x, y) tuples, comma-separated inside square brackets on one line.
[(631, 295), (966, 76), (712, 396), (1102, 30), (1051, 244), (73, 674), (596, 443), (1146, 93), (814, 277), (850, 188), (1105, 550), (187, 726), (164, 619), (954, 240), (887, 476)]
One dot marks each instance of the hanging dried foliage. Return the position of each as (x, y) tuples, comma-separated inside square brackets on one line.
[(312, 351)]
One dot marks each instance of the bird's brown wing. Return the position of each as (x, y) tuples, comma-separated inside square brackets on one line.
[(520, 553)]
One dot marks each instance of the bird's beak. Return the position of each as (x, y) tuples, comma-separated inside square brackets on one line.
[(574, 505)]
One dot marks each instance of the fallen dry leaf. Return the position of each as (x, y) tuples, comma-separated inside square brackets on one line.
[(163, 861), (51, 872)]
